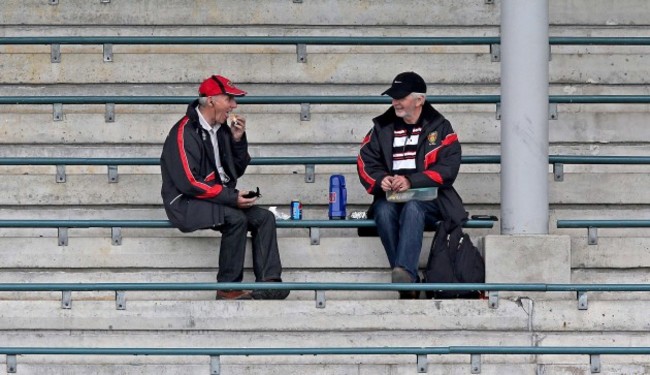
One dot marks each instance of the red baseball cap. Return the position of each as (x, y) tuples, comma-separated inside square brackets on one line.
[(216, 85)]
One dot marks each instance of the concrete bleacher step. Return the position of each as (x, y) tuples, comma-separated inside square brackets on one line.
[(143, 189), (267, 127), (332, 13), (516, 322), (518, 314)]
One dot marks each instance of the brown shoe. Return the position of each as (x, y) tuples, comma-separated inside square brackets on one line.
[(234, 294)]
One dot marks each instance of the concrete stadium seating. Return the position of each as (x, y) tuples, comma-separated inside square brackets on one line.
[(351, 318)]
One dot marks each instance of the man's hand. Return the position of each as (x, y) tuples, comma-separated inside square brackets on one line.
[(387, 183), (400, 183), (245, 202), (238, 128)]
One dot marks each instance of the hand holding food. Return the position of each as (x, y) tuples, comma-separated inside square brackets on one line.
[(237, 126)]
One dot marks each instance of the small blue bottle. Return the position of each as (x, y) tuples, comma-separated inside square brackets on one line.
[(338, 197)]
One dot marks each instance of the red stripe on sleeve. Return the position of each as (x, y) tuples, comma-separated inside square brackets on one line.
[(435, 176), (208, 191), (364, 175)]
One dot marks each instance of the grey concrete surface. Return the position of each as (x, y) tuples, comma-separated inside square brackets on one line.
[(143, 189), (193, 318), (332, 12), (528, 258)]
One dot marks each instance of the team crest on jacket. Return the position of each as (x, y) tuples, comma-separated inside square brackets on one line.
[(432, 138)]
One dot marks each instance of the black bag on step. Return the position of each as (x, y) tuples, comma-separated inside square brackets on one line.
[(453, 259)]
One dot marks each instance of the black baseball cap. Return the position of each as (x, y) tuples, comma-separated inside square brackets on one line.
[(404, 84)]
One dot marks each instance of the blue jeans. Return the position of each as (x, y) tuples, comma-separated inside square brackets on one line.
[(401, 227)]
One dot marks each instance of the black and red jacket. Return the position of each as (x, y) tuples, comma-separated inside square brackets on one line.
[(192, 190), (437, 160)]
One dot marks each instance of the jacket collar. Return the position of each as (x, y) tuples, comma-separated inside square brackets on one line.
[(430, 116)]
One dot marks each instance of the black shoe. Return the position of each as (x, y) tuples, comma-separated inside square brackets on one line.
[(270, 293), (400, 275)]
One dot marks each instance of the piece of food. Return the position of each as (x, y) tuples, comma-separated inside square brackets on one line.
[(232, 119)]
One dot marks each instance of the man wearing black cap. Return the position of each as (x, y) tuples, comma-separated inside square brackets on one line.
[(411, 145), (203, 155)]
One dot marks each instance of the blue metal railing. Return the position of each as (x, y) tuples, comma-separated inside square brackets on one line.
[(302, 160), (593, 225), (314, 40), (167, 224), (330, 350), (421, 353), (625, 223), (323, 286), (316, 99), (320, 288)]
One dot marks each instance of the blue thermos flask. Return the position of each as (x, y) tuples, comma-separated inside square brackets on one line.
[(338, 197)]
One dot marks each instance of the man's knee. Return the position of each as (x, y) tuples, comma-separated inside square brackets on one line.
[(384, 211), (413, 208), (266, 218), (235, 219)]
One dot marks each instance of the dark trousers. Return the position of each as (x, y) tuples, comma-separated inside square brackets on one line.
[(266, 257)]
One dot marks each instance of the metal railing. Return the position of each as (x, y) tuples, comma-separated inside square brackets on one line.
[(305, 102), (315, 99), (593, 225), (309, 162), (301, 42), (421, 353), (320, 288), (116, 226), (315, 40)]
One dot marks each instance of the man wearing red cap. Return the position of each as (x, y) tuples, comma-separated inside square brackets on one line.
[(202, 158), (411, 145)]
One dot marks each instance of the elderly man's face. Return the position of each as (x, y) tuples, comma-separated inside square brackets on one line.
[(408, 108), (222, 105)]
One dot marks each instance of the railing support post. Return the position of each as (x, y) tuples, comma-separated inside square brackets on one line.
[(12, 364), (475, 362), (320, 299), (120, 300), (116, 236), (594, 363), (592, 236), (310, 173), (423, 364), (63, 236), (583, 302), (66, 299), (215, 365), (314, 235)]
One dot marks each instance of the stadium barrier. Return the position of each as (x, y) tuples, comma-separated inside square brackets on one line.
[(492, 289), (309, 162), (421, 353), (305, 102), (593, 225)]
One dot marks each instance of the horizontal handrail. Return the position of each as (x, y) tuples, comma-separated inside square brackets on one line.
[(166, 224), (316, 99), (603, 223), (315, 40), (320, 286), (331, 350), (264, 40), (291, 160)]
